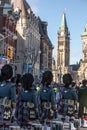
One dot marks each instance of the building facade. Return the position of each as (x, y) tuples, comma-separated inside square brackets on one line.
[(46, 48), (82, 71), (7, 32), (28, 43), (63, 49), (34, 48)]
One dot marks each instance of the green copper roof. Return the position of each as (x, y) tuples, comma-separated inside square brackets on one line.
[(63, 22), (85, 30)]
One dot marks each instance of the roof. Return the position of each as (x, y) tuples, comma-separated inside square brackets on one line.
[(43, 32), (75, 67), (85, 30), (40, 28), (22, 5), (63, 22)]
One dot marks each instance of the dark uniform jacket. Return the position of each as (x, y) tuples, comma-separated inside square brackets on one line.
[(82, 94)]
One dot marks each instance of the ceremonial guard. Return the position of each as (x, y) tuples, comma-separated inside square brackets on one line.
[(82, 94), (47, 98), (27, 106), (69, 98), (7, 98)]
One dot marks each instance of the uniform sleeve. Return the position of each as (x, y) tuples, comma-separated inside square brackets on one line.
[(75, 95), (35, 99), (53, 97), (13, 93)]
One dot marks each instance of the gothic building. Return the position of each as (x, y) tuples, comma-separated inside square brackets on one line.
[(28, 42), (31, 51), (82, 71), (63, 49), (7, 31), (78, 71), (46, 47)]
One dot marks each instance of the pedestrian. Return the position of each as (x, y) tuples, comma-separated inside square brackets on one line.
[(7, 97), (47, 97), (27, 106)]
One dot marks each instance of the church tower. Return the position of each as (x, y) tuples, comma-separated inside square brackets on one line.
[(82, 72), (84, 44), (63, 50)]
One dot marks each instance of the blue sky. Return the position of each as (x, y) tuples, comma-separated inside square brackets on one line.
[(76, 15)]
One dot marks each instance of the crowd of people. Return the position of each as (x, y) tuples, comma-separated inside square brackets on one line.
[(22, 101)]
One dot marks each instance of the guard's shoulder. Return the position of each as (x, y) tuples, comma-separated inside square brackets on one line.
[(12, 84), (2, 84)]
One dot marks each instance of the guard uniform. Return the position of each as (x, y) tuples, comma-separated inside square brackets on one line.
[(47, 103), (69, 98), (82, 94), (7, 104), (27, 108)]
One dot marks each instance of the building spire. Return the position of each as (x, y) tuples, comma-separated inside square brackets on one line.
[(63, 22), (85, 30)]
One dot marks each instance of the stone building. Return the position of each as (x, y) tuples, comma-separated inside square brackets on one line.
[(82, 71), (63, 49), (34, 48), (28, 43), (7, 32), (79, 70), (46, 48)]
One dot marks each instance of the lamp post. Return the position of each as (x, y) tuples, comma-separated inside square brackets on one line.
[(11, 35)]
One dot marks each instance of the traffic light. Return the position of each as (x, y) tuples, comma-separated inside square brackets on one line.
[(10, 52)]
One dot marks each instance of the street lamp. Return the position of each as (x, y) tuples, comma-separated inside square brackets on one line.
[(14, 36)]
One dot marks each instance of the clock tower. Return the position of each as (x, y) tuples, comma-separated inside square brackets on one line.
[(63, 49)]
